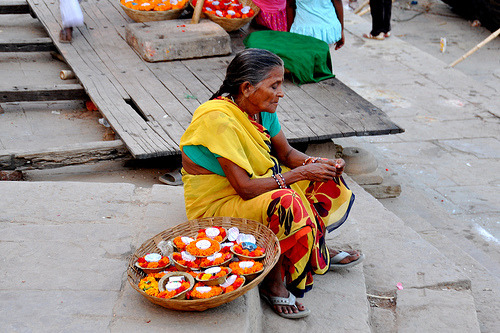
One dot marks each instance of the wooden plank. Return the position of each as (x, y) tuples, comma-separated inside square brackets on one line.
[(60, 92), (81, 153), (139, 136), (321, 119), (150, 97), (364, 117), (41, 44), (14, 7)]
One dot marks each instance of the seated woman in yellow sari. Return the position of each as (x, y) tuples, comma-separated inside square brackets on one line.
[(237, 162)]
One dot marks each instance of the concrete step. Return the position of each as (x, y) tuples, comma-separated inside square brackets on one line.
[(431, 294), (485, 287), (46, 225)]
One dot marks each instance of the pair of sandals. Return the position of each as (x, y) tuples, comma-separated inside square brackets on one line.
[(335, 264), (380, 36)]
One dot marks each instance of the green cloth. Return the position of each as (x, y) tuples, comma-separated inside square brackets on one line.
[(307, 58), (208, 160)]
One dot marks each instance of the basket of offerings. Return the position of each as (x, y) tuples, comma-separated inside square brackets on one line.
[(230, 15), (153, 10), (204, 296)]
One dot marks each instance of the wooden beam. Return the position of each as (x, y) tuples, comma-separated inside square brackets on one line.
[(60, 92), (43, 44), (14, 7), (81, 153)]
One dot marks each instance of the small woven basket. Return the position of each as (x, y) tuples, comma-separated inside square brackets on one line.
[(187, 276), (152, 270), (263, 235), (152, 15), (234, 23), (244, 257), (214, 282)]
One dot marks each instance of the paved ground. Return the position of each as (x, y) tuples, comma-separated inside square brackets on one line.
[(446, 162), (450, 148)]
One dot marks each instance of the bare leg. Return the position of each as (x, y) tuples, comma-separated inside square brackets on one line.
[(273, 286)]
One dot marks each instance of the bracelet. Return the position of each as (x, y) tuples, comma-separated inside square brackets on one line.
[(280, 180), (277, 181)]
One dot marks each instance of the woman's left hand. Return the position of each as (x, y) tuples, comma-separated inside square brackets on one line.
[(338, 163)]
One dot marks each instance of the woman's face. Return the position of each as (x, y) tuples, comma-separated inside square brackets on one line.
[(265, 95)]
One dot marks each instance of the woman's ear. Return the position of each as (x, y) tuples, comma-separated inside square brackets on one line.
[(246, 89)]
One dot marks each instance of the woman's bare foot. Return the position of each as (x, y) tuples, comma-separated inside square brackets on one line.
[(273, 286), (279, 290)]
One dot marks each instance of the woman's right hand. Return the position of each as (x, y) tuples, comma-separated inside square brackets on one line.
[(317, 172)]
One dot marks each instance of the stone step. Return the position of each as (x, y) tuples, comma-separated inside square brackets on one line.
[(48, 224), (485, 284), (431, 293)]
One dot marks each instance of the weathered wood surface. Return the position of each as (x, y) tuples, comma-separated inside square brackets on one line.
[(61, 92), (149, 105), (43, 44), (82, 153), (14, 7)]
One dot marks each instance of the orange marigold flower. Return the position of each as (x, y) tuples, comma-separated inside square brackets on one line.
[(235, 285), (200, 247), (243, 267), (202, 233), (204, 276), (202, 291)]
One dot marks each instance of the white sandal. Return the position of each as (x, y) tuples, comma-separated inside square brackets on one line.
[(290, 300), (335, 261)]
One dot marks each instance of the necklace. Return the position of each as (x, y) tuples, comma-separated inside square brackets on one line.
[(255, 117)]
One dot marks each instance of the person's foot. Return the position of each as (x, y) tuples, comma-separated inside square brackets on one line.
[(353, 256), (279, 290), (380, 36), (387, 34), (66, 35)]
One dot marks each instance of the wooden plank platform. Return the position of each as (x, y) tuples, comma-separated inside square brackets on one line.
[(31, 45), (61, 92), (14, 7), (149, 105)]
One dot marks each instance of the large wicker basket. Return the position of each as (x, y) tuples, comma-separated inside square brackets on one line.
[(264, 236), (235, 23), (152, 15)]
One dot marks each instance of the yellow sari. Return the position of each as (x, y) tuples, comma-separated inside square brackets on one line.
[(299, 215)]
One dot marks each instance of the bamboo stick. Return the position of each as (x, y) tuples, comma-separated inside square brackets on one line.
[(363, 5), (477, 47)]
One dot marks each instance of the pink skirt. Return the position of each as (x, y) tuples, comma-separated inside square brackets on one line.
[(273, 20)]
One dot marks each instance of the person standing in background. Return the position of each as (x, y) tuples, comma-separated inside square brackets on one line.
[(322, 19), (272, 14), (381, 19), (71, 16)]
